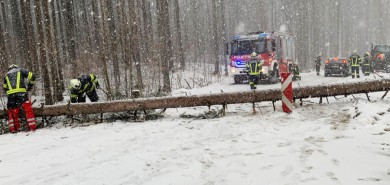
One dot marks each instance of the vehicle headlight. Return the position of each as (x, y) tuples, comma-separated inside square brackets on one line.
[(233, 70), (264, 69)]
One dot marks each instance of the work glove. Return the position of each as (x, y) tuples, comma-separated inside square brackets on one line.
[(29, 87), (97, 86)]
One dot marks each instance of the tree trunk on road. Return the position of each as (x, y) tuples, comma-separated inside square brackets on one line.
[(213, 99)]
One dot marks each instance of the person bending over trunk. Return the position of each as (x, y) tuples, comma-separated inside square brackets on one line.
[(85, 85)]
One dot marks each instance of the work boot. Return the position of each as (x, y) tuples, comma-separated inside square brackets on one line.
[(32, 126), (12, 129)]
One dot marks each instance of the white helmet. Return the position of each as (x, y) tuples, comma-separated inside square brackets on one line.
[(75, 83), (12, 66)]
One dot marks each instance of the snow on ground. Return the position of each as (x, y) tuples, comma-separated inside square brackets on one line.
[(308, 79), (342, 142)]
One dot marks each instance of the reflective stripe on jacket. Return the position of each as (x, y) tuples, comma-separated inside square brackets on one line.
[(253, 67), (87, 84), (14, 80), (355, 60)]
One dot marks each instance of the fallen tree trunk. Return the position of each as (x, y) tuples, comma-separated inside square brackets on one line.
[(212, 99)]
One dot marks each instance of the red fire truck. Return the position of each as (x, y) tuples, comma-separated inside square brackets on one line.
[(276, 49)]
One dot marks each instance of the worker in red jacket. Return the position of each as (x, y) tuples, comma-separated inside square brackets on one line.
[(15, 88)]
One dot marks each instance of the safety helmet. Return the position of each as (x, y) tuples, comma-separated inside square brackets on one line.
[(75, 83), (12, 66), (354, 51), (254, 55), (367, 53)]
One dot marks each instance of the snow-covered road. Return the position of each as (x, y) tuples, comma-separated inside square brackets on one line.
[(308, 79), (342, 142)]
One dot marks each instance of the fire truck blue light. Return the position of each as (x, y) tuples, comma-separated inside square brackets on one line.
[(264, 34)]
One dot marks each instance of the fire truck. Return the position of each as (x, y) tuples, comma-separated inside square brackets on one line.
[(275, 49)]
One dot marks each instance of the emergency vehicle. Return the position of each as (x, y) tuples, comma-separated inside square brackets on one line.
[(275, 49), (337, 66), (380, 59)]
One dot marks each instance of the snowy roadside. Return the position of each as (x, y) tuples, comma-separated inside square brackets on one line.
[(342, 142)]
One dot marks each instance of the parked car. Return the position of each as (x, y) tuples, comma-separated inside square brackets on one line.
[(337, 66)]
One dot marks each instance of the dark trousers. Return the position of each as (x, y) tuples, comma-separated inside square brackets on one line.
[(366, 69), (318, 69), (355, 71), (253, 80), (92, 95)]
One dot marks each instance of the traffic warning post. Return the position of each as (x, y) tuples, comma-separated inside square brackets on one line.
[(287, 93)]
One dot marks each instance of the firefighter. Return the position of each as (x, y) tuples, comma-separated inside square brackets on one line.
[(296, 73), (15, 88), (318, 64), (366, 65), (84, 85), (253, 68), (354, 62)]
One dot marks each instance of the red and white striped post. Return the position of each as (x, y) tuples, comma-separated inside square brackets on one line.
[(287, 105)]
